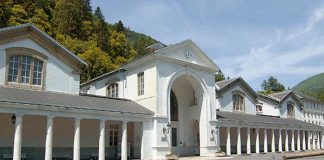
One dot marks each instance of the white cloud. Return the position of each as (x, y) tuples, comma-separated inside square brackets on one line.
[(286, 54)]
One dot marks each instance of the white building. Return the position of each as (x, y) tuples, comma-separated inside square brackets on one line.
[(165, 102)]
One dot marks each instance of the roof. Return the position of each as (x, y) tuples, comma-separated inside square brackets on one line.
[(307, 97), (224, 83), (281, 95), (30, 28), (265, 120), (102, 77), (228, 83), (61, 100)]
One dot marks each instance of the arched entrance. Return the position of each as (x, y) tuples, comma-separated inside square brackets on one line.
[(186, 99)]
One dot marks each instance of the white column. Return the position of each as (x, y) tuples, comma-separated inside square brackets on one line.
[(280, 141), (308, 141), (238, 144), (313, 141), (257, 139), (76, 143), (49, 138), (304, 140), (265, 142), (102, 147), (17, 140), (248, 141), (298, 140), (124, 141), (292, 140), (322, 140), (286, 142), (318, 140), (228, 141), (273, 142)]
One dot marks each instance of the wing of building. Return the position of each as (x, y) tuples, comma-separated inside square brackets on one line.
[(166, 102)]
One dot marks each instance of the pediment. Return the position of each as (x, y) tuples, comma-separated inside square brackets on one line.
[(188, 51)]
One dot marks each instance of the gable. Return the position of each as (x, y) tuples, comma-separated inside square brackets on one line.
[(28, 31), (188, 51)]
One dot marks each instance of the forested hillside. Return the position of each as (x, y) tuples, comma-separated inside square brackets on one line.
[(313, 86), (81, 29)]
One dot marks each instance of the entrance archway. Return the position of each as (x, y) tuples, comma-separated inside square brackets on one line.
[(186, 101)]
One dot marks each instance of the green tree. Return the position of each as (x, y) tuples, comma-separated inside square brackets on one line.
[(102, 31), (119, 26), (40, 19), (98, 62), (272, 85), (219, 76), (18, 15), (141, 43), (5, 12), (119, 45), (69, 19)]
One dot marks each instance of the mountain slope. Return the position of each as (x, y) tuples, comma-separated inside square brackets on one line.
[(313, 86)]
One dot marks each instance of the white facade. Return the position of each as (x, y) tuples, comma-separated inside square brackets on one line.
[(166, 103)]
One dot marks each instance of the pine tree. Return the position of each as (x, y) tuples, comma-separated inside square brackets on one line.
[(119, 26), (102, 31), (69, 17)]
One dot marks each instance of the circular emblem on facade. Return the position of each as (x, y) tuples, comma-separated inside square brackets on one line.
[(188, 54)]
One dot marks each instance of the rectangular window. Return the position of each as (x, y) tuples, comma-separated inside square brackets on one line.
[(13, 69), (37, 74), (174, 137), (140, 84), (258, 108), (113, 135), (25, 69)]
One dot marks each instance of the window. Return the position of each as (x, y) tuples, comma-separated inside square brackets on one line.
[(113, 135), (238, 102), (24, 70), (140, 84), (290, 109), (173, 106), (112, 90), (174, 137), (258, 108)]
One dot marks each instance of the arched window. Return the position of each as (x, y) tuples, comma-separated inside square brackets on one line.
[(25, 67), (290, 109), (238, 102), (174, 107), (112, 90)]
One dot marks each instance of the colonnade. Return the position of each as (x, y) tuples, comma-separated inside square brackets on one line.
[(314, 141), (76, 141)]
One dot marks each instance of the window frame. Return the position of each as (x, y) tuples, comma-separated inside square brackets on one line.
[(292, 104), (140, 84), (113, 87), (113, 128), (242, 95), (21, 52), (258, 108)]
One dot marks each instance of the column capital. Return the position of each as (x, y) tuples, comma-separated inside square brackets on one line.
[(50, 116), (78, 118)]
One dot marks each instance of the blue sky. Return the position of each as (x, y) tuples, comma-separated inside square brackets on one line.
[(253, 39)]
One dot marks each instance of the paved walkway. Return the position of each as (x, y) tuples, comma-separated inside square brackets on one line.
[(268, 156)]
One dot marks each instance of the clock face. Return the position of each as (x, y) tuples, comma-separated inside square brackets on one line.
[(188, 54)]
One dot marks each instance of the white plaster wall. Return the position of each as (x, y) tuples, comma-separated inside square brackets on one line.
[(59, 77), (226, 101), (147, 100), (297, 109), (179, 53), (269, 109)]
